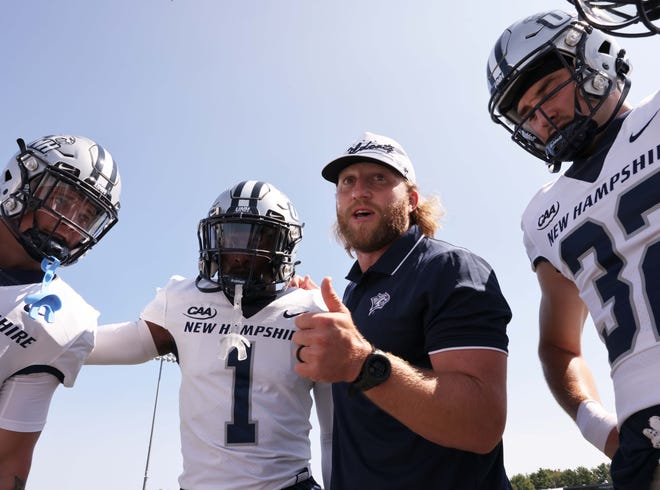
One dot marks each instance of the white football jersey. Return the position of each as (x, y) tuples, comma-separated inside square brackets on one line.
[(605, 237), (245, 413), (63, 344)]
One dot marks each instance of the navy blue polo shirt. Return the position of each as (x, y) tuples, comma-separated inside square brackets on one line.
[(422, 296)]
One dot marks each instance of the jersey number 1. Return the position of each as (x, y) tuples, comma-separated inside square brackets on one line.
[(240, 430)]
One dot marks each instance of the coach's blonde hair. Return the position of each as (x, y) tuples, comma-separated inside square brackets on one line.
[(428, 213)]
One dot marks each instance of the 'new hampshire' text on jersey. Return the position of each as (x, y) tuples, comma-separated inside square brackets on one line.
[(611, 253)]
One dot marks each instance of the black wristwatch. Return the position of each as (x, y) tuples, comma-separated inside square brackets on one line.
[(375, 370)]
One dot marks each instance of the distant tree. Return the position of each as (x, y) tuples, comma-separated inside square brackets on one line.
[(586, 476), (569, 478), (602, 473), (521, 482), (545, 478)]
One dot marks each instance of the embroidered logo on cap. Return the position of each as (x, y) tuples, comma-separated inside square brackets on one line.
[(369, 145)]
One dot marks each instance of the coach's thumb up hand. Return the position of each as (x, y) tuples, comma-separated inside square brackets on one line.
[(329, 346), (331, 298)]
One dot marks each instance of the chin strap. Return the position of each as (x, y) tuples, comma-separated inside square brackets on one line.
[(567, 142), (42, 302), (583, 129), (234, 338)]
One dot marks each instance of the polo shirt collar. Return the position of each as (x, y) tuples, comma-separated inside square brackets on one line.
[(393, 257)]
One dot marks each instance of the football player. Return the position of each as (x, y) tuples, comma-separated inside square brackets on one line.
[(245, 413), (559, 87), (625, 18), (59, 195)]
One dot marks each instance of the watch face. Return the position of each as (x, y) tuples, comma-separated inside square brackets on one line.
[(375, 370), (379, 367)]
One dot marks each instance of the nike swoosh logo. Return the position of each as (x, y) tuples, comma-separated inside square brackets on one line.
[(633, 136), (286, 314)]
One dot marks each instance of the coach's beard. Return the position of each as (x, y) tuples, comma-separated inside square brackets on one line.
[(393, 223)]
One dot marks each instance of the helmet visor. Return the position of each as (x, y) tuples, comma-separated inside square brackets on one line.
[(258, 237), (66, 203)]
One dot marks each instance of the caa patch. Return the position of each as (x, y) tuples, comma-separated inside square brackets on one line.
[(548, 215), (201, 312)]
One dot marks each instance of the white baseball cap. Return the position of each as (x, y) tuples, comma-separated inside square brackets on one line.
[(372, 148)]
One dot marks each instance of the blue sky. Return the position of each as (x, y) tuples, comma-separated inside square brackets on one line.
[(191, 96)]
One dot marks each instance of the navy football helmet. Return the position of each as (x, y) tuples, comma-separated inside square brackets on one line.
[(249, 237), (543, 43), (624, 18), (59, 195)]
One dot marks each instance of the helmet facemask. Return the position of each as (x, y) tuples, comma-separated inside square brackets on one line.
[(569, 141), (631, 18)]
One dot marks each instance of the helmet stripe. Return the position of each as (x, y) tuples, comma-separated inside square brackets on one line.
[(242, 192), (254, 197), (102, 161), (236, 197)]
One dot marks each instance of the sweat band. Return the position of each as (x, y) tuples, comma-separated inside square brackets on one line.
[(595, 422)]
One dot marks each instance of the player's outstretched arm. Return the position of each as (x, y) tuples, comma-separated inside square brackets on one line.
[(129, 343)]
